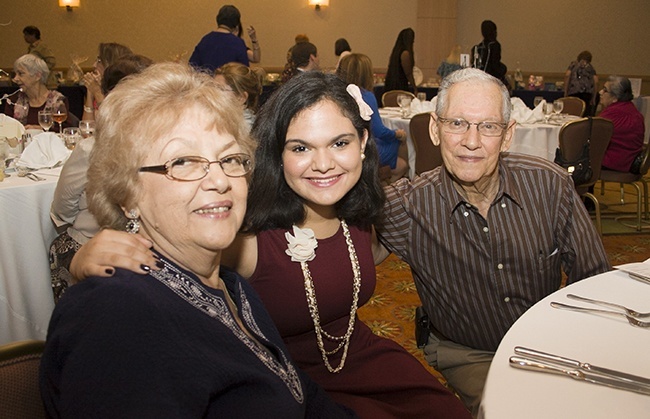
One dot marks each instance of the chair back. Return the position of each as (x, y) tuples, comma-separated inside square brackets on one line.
[(390, 98), (573, 106), (574, 135), (427, 155), (645, 163), (20, 396)]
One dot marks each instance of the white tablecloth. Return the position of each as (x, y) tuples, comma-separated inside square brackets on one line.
[(539, 140), (600, 340), (391, 117), (642, 103), (26, 231)]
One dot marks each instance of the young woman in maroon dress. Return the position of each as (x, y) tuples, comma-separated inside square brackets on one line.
[(308, 247)]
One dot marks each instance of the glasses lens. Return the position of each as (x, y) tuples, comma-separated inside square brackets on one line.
[(455, 126), (188, 168), (490, 129), (236, 165)]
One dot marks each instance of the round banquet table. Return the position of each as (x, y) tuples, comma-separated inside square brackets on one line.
[(604, 341), (538, 139), (26, 300)]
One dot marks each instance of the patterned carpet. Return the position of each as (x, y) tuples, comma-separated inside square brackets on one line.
[(390, 312)]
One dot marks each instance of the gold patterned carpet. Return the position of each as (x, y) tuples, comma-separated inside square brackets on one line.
[(390, 312)]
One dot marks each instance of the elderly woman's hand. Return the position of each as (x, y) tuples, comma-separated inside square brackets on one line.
[(111, 249)]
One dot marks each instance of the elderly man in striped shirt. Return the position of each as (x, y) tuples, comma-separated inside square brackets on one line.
[(488, 234)]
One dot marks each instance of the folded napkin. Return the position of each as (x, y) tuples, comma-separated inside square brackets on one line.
[(524, 115), (45, 150), (418, 106)]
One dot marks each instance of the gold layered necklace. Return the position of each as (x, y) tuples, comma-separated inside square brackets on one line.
[(343, 341)]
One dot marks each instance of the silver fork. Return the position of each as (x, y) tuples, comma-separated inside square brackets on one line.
[(629, 311), (630, 319)]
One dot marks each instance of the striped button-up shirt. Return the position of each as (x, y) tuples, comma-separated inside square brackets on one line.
[(476, 276)]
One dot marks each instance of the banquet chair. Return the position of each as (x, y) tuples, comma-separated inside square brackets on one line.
[(19, 390), (427, 155), (390, 98), (573, 136), (634, 180), (573, 105)]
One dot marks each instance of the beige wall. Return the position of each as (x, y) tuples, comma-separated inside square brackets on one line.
[(161, 29), (543, 36)]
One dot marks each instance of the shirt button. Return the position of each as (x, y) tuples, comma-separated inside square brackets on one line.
[(466, 213), (468, 205), (507, 299), (485, 229), (503, 205), (500, 266)]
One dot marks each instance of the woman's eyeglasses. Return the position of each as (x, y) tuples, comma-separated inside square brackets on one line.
[(189, 168)]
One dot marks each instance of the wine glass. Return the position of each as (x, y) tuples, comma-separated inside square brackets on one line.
[(404, 102), (548, 111), (87, 128), (59, 114), (45, 120), (537, 101), (558, 105)]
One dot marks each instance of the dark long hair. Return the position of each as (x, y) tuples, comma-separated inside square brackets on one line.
[(271, 202), (404, 42)]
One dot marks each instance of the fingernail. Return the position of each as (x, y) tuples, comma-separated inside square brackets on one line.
[(109, 271), (145, 267), (159, 264)]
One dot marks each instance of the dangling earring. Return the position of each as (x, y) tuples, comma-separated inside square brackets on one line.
[(133, 225)]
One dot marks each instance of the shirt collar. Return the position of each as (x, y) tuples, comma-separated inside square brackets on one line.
[(507, 188)]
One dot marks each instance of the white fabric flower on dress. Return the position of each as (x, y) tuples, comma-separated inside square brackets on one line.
[(302, 245), (364, 109)]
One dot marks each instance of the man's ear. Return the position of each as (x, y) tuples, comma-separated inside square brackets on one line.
[(433, 129)]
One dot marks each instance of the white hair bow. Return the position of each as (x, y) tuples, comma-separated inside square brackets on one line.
[(364, 109)]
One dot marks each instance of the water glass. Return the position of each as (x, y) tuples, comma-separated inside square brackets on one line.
[(87, 128), (422, 97), (71, 136), (45, 120), (404, 102), (537, 101)]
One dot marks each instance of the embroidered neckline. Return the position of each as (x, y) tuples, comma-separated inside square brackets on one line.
[(194, 293)]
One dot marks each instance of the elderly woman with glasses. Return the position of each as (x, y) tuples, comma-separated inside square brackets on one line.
[(192, 339), (34, 96), (629, 128)]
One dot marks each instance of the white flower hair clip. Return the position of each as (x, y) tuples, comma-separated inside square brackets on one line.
[(302, 245), (364, 109)]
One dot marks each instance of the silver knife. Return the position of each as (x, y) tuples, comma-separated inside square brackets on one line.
[(534, 365), (584, 366)]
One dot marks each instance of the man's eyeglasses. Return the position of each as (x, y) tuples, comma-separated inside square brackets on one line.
[(191, 168), (461, 126)]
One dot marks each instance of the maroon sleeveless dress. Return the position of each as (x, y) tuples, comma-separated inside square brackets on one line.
[(380, 379)]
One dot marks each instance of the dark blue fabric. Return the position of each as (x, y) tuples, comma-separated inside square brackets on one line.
[(216, 49), (128, 346), (385, 138)]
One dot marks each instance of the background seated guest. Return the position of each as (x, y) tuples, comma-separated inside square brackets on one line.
[(37, 47), (289, 67), (357, 69), (450, 64), (629, 127), (399, 75), (70, 205), (31, 76), (107, 54), (488, 234), (192, 339), (223, 45), (580, 80), (244, 84), (341, 49), (305, 57)]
